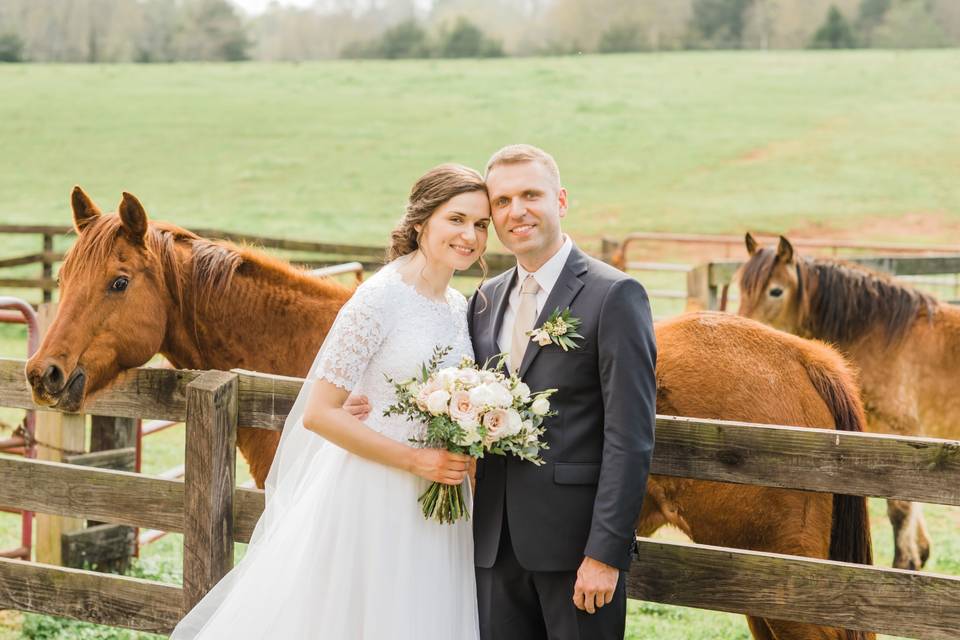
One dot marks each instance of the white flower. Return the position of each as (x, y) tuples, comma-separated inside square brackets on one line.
[(541, 337), (528, 427), (514, 423), (471, 435), (521, 392), (424, 392), (482, 395), (488, 376), (446, 377), (468, 377), (437, 402), (501, 395), (540, 406), (462, 410), (559, 327)]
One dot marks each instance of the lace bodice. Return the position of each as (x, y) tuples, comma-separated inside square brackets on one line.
[(389, 329)]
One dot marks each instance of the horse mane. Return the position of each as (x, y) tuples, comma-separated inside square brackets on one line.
[(842, 301), (212, 266)]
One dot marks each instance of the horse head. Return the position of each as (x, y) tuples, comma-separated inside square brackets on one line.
[(771, 289), (113, 307)]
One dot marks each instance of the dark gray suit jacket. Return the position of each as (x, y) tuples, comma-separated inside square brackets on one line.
[(586, 498)]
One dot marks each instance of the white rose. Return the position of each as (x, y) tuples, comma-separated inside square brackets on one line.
[(446, 377), (424, 392), (488, 377), (501, 395), (540, 406), (462, 410), (437, 402), (468, 377), (514, 423), (521, 392), (482, 396)]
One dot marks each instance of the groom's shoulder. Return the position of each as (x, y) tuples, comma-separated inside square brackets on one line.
[(600, 271)]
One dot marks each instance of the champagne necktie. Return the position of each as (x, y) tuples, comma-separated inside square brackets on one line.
[(523, 321)]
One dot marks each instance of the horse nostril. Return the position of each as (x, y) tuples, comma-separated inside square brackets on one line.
[(53, 377)]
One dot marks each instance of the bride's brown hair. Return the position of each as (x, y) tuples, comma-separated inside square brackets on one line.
[(433, 189)]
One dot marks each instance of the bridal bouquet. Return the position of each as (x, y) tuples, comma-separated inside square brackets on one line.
[(471, 410)]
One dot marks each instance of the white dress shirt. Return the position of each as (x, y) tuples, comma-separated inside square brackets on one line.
[(546, 276)]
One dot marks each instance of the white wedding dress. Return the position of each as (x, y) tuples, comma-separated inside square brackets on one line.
[(342, 551)]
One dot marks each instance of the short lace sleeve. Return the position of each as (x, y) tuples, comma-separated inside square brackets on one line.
[(354, 338)]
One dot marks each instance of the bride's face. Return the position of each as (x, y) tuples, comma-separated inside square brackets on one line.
[(456, 234)]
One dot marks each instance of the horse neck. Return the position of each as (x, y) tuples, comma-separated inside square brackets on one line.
[(263, 320)]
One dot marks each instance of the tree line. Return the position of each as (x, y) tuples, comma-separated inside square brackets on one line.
[(216, 30)]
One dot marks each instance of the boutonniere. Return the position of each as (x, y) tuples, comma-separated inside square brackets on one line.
[(560, 329)]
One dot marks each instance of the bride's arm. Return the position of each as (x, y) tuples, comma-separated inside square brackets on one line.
[(326, 416)]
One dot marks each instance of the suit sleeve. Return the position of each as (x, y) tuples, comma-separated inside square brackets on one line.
[(627, 355)]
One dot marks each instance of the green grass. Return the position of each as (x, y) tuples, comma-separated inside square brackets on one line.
[(848, 143)]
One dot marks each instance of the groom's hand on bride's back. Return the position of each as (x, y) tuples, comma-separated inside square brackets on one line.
[(357, 406)]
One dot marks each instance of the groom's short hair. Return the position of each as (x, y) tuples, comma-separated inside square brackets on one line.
[(517, 153)]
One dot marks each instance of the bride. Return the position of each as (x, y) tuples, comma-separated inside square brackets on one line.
[(342, 550)]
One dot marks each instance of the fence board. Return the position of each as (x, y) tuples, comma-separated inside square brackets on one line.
[(916, 469), (723, 272), (893, 601), (114, 600), (209, 482)]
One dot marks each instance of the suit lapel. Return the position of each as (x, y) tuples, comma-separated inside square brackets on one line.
[(567, 287), (499, 307)]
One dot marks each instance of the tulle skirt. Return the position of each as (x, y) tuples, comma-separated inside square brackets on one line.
[(351, 557)]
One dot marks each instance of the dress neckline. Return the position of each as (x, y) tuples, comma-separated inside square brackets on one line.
[(444, 304)]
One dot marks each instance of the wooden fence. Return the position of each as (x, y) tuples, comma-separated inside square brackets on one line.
[(212, 513), (708, 284)]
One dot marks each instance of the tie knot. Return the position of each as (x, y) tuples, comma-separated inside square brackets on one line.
[(530, 285)]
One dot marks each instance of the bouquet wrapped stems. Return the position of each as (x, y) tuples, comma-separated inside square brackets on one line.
[(444, 502)]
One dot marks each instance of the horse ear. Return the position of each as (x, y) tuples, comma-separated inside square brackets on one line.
[(784, 251), (84, 210), (133, 216), (751, 243)]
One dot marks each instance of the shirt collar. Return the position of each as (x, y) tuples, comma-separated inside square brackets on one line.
[(547, 275)]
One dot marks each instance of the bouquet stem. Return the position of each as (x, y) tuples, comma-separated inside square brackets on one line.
[(444, 502)]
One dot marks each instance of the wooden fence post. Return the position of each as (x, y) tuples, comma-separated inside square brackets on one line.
[(701, 295), (212, 401), (47, 266), (65, 431)]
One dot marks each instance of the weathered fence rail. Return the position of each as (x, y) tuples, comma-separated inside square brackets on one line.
[(212, 513)]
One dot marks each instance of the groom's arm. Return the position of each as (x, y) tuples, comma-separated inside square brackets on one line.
[(627, 355)]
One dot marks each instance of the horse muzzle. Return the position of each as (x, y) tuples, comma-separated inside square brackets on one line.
[(51, 388)]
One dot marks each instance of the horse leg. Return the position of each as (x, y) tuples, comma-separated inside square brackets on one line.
[(910, 539), (785, 630), (759, 629)]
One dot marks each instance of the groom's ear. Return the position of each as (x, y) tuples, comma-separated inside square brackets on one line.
[(562, 201)]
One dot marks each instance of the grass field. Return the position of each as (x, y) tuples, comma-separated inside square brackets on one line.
[(856, 144)]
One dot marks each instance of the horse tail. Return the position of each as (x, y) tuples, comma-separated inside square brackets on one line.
[(850, 530), (836, 384)]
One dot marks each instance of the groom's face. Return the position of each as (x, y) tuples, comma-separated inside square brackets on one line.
[(526, 204)]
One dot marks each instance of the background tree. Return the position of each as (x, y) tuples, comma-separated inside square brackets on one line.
[(719, 23), (11, 48), (466, 40), (210, 30), (835, 33), (909, 24)]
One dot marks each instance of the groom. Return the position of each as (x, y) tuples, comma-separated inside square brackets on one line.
[(552, 542)]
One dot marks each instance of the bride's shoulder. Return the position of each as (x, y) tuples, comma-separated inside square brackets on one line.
[(373, 293)]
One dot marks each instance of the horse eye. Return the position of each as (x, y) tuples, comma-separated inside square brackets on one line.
[(120, 284), (776, 292)]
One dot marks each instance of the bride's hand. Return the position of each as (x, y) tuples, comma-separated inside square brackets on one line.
[(439, 465), (357, 406)]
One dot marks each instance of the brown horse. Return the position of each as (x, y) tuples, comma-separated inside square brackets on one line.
[(130, 288), (905, 344)]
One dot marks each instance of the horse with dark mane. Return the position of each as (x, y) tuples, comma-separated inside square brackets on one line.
[(905, 344), (131, 288)]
